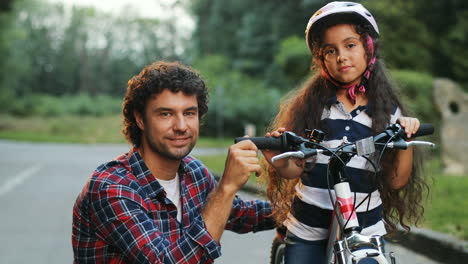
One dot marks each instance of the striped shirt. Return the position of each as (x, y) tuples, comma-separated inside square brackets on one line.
[(311, 210), (123, 216)]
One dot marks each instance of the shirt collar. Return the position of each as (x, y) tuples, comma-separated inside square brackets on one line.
[(146, 179), (334, 100)]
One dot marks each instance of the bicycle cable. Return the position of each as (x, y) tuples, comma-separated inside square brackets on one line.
[(333, 153), (368, 196)]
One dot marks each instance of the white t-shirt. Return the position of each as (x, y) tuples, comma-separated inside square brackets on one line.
[(172, 188)]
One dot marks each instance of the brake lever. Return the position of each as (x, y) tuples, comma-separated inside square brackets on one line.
[(296, 154), (401, 144), (303, 153), (421, 143)]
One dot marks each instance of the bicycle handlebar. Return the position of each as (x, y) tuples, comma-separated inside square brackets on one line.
[(424, 130), (274, 143), (289, 141)]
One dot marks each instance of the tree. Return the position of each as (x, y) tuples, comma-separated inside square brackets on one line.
[(5, 5)]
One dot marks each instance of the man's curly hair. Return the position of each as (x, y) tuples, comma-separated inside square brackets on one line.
[(151, 81)]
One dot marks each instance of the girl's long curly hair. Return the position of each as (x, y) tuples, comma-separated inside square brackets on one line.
[(302, 109)]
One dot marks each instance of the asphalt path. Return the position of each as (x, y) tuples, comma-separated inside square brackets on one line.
[(39, 183)]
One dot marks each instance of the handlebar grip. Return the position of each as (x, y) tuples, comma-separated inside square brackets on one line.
[(273, 143), (424, 130)]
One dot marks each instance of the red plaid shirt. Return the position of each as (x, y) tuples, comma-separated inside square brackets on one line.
[(123, 216)]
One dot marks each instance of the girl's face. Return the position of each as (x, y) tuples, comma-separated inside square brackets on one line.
[(343, 52)]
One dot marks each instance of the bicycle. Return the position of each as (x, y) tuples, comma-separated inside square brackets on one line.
[(346, 244)]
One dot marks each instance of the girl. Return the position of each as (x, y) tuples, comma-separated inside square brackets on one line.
[(349, 98)]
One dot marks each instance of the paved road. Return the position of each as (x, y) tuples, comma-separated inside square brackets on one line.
[(38, 186)]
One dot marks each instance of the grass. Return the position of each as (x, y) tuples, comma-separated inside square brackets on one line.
[(214, 162), (445, 212), (216, 165), (70, 129), (76, 129)]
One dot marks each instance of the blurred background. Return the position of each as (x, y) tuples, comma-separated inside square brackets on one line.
[(64, 66), (66, 57)]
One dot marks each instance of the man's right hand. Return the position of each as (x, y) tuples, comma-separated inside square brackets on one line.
[(241, 162)]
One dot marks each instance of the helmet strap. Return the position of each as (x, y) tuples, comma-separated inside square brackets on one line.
[(353, 89)]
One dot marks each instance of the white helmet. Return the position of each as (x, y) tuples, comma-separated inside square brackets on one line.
[(348, 9)]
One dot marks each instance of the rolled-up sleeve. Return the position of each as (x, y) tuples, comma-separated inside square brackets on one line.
[(250, 216)]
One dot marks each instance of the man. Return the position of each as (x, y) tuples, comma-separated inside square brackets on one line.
[(155, 204)]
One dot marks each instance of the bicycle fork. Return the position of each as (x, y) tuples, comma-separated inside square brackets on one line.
[(354, 246)]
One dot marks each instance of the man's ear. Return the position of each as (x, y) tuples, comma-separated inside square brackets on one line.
[(139, 120)]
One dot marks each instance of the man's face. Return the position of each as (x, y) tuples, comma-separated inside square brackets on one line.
[(171, 124)]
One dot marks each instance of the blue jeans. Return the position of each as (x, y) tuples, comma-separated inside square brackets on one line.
[(300, 251)]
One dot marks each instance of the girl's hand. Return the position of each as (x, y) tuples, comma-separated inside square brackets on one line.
[(267, 153), (410, 124), (287, 168)]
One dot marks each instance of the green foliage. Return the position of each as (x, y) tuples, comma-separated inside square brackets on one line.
[(421, 35), (93, 105), (235, 99), (294, 60), (405, 45), (251, 32), (416, 94), (48, 49), (50, 106), (416, 91), (454, 47)]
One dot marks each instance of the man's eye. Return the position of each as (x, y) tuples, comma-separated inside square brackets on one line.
[(191, 113), (165, 114)]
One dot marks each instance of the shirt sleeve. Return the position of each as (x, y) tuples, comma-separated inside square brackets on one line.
[(121, 219), (246, 215), (250, 216), (394, 117)]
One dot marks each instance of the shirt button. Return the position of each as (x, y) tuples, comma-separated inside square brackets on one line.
[(345, 139), (358, 111), (346, 128)]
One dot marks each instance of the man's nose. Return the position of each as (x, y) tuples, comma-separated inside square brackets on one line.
[(180, 123)]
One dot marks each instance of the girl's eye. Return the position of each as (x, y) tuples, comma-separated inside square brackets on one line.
[(329, 51), (351, 45)]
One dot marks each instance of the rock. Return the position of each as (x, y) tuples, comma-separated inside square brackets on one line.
[(452, 103)]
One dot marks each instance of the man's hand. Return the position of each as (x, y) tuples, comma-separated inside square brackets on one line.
[(241, 162)]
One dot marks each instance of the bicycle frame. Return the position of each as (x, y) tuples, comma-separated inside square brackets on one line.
[(346, 244)]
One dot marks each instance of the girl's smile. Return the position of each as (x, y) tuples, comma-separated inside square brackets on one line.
[(344, 69)]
